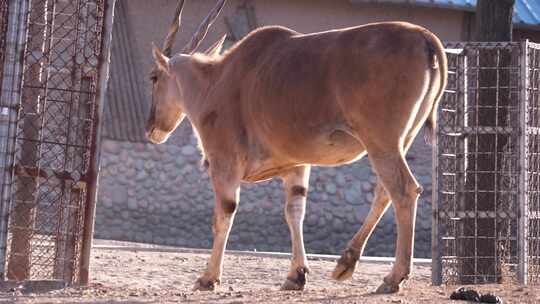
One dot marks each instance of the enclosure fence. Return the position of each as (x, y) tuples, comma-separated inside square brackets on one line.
[(52, 77), (486, 205)]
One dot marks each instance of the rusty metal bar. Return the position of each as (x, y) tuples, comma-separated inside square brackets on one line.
[(24, 212), (95, 151), (31, 171)]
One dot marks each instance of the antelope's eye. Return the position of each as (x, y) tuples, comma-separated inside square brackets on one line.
[(153, 78)]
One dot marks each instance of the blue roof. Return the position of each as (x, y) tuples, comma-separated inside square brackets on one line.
[(526, 12)]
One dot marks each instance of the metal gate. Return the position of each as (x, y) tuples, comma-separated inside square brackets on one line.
[(53, 81), (486, 167)]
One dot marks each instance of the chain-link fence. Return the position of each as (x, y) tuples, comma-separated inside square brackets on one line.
[(51, 142), (482, 193)]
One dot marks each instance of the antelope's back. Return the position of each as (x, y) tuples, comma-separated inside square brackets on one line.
[(293, 82)]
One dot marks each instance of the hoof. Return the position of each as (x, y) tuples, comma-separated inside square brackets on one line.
[(205, 285), (386, 288), (297, 283), (346, 265)]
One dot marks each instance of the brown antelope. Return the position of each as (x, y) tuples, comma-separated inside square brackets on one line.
[(279, 101)]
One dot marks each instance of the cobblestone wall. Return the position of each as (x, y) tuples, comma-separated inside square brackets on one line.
[(160, 194)]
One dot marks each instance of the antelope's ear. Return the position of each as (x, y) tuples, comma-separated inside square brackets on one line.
[(162, 62), (216, 48)]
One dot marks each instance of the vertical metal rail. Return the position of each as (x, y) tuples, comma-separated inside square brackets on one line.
[(440, 185), (10, 98), (533, 158), (436, 263), (523, 230), (462, 147), (95, 149)]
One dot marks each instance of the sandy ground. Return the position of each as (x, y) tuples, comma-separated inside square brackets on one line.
[(149, 276)]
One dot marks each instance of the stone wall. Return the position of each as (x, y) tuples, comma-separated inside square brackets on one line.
[(160, 194)]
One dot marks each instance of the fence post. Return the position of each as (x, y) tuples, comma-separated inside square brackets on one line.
[(523, 228), (95, 149), (436, 266)]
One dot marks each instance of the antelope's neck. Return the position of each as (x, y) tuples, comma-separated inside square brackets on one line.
[(199, 86)]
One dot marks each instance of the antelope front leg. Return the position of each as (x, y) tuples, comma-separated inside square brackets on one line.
[(227, 197), (295, 183)]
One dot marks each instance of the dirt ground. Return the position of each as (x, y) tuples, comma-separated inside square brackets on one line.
[(151, 276)]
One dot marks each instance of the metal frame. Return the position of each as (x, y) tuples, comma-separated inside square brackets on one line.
[(516, 172), (59, 70)]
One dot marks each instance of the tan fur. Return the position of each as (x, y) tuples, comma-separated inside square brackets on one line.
[(279, 100)]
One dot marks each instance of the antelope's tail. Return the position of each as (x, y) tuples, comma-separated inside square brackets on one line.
[(438, 63)]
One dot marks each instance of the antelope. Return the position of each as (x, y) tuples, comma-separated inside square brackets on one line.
[(278, 102)]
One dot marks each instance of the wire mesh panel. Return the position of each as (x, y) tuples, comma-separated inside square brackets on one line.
[(446, 170), (532, 162), (486, 179), (477, 172), (54, 137)]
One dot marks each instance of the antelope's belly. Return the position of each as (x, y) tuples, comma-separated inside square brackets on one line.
[(330, 149), (336, 148)]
